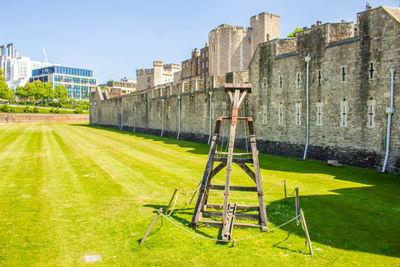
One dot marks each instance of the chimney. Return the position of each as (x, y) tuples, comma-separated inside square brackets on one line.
[(319, 22), (368, 6)]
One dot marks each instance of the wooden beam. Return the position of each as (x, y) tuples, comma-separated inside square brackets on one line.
[(233, 188), (248, 171), (238, 215), (256, 164), (240, 225), (217, 169), (235, 154), (236, 160), (239, 207)]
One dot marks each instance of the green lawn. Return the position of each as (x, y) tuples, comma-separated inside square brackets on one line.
[(67, 191)]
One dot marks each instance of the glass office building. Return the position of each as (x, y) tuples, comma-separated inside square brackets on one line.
[(79, 82)]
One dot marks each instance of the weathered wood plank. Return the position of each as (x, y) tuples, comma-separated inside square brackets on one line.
[(236, 160), (239, 207), (238, 215), (210, 162), (235, 154), (151, 226), (240, 225), (233, 188), (248, 171), (256, 164)]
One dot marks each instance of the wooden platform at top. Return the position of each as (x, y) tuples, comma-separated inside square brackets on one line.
[(238, 86)]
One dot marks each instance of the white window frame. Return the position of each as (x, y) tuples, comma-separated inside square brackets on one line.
[(298, 80), (264, 114), (280, 114), (297, 115), (319, 113), (371, 104), (344, 112)]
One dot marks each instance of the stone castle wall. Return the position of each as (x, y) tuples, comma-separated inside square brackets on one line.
[(339, 83)]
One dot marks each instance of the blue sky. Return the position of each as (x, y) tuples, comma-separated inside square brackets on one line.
[(114, 38)]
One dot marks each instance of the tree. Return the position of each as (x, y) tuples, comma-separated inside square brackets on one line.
[(48, 92), (294, 33), (5, 92), (38, 89), (61, 93)]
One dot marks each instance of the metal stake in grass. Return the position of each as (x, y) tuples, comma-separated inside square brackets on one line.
[(151, 226), (284, 188)]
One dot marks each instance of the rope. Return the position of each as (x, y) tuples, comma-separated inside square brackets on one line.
[(184, 229), (173, 207), (188, 194), (220, 240)]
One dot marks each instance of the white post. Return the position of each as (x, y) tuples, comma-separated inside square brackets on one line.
[(390, 112), (122, 118), (307, 59), (179, 117), (210, 115), (162, 129)]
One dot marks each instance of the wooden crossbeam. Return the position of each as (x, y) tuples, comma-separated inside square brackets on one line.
[(235, 160), (238, 215), (235, 154), (239, 207), (248, 171), (233, 188), (237, 224)]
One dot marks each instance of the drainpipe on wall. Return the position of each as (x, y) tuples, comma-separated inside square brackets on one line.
[(307, 59), (122, 118), (162, 129), (211, 115), (389, 111), (134, 119), (179, 117)]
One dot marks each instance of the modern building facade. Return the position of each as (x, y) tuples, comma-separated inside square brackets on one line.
[(79, 82), (17, 69)]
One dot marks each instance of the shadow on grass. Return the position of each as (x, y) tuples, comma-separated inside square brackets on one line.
[(361, 218), (177, 216)]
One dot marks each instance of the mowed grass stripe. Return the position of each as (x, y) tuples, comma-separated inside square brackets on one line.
[(169, 171), (68, 204), (10, 139), (162, 155), (28, 205), (343, 206), (154, 145)]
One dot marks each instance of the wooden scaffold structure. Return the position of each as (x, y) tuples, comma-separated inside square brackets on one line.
[(237, 94)]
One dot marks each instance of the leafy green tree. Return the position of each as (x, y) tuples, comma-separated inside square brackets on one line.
[(38, 89), (61, 93), (5, 92), (48, 92), (29, 91), (294, 33), (20, 92)]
